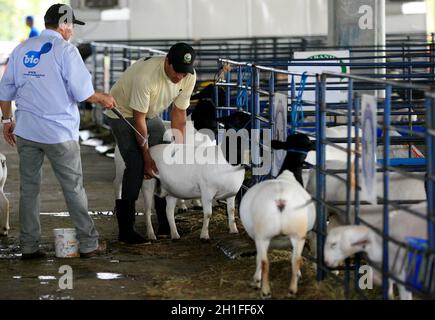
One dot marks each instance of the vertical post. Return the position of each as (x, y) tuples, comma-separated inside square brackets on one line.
[(349, 179), (129, 57), (349, 149), (357, 157), (94, 62), (410, 101), (357, 126), (293, 90), (124, 59), (272, 100), (432, 54), (216, 91), (385, 233), (257, 98), (293, 97), (240, 84), (430, 142), (111, 66), (320, 176), (275, 49), (228, 94), (256, 122), (252, 111), (252, 102)]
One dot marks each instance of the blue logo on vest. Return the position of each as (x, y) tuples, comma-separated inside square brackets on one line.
[(32, 58)]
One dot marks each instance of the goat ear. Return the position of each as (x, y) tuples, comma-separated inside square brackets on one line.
[(359, 236), (360, 243), (278, 145)]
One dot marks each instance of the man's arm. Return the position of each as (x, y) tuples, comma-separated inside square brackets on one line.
[(141, 126), (6, 107), (8, 128), (104, 99), (178, 122)]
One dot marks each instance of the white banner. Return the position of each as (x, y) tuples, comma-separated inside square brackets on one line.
[(369, 144), (280, 132), (332, 96)]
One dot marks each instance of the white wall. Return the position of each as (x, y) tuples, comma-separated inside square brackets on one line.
[(289, 18), (219, 19), (413, 23), (396, 22), (157, 19)]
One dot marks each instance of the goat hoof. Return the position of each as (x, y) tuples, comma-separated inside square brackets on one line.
[(255, 284), (176, 239), (266, 296), (151, 237), (182, 210), (205, 240), (197, 208), (292, 293)]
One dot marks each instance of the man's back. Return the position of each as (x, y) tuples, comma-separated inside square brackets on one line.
[(145, 87), (47, 78)]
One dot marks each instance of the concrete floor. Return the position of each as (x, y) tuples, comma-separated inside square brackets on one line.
[(185, 269)]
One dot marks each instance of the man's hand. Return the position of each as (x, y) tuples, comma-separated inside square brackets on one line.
[(8, 129), (107, 101), (150, 168), (104, 99)]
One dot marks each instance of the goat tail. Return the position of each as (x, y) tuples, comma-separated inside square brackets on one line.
[(280, 204)]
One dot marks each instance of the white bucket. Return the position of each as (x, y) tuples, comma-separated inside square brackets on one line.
[(65, 243)]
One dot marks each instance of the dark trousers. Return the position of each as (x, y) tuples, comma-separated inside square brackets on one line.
[(132, 153)]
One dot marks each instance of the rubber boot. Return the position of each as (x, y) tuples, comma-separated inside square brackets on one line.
[(160, 206), (125, 213)]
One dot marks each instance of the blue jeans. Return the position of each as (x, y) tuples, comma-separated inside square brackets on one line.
[(67, 166), (132, 154)]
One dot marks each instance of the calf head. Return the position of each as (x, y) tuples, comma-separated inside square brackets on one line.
[(204, 115), (237, 121)]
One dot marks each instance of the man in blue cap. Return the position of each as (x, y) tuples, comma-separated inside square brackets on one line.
[(30, 22), (46, 76)]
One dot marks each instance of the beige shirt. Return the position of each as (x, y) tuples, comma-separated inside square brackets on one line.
[(146, 88)]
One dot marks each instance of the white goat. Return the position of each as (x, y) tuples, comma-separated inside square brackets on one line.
[(4, 202), (273, 208), (212, 178), (400, 188), (343, 242), (332, 153), (198, 138)]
